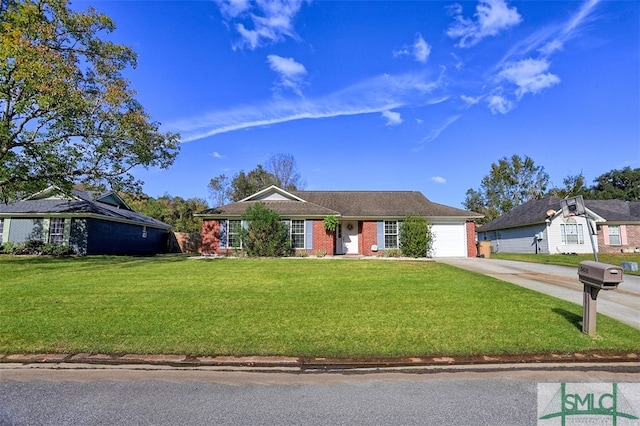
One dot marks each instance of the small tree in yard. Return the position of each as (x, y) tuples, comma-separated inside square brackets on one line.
[(266, 234), (416, 238)]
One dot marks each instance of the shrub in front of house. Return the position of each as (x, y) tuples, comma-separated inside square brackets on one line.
[(416, 237), (393, 252), (266, 235), (57, 250), (35, 248)]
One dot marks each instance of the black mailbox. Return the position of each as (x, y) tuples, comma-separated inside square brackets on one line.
[(600, 275)]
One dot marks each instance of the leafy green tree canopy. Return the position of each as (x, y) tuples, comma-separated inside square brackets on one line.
[(618, 184), (176, 211), (573, 186), (67, 115), (280, 170), (510, 182)]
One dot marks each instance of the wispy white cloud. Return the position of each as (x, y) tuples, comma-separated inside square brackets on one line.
[(499, 104), (291, 73), (570, 28), (260, 22), (470, 100), (433, 135), (393, 118), (217, 155), (527, 64), (420, 50), (438, 179), (232, 8), (552, 38), (529, 75), (376, 95), (492, 17)]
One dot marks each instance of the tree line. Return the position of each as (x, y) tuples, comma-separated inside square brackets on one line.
[(279, 169), (514, 181)]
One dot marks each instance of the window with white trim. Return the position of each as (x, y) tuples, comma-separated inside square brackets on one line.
[(56, 230), (296, 232), (391, 232), (233, 233), (572, 232), (615, 237)]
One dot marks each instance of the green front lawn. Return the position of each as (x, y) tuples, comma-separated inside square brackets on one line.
[(296, 307)]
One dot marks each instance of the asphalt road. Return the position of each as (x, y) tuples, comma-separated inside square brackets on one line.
[(121, 396), (562, 282)]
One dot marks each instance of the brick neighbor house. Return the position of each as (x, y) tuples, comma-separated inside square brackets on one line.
[(368, 222)]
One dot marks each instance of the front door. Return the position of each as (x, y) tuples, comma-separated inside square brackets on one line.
[(349, 237)]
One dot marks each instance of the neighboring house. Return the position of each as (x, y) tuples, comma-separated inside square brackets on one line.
[(538, 226), (88, 222), (368, 222)]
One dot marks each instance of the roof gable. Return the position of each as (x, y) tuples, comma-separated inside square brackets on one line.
[(272, 193)]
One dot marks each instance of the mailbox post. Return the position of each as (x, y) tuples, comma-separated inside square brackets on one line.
[(595, 276)]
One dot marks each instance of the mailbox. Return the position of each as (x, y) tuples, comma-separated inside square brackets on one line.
[(600, 275)]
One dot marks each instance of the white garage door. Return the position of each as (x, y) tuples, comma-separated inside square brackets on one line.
[(450, 239)]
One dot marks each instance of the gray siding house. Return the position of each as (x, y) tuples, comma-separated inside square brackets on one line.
[(538, 226), (88, 222)]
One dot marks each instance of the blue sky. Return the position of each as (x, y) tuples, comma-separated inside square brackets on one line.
[(374, 95)]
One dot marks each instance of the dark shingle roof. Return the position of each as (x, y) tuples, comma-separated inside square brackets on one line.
[(84, 203), (535, 211), (615, 210), (381, 204), (361, 204), (282, 207)]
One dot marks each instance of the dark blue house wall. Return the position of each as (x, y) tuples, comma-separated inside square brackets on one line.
[(106, 237)]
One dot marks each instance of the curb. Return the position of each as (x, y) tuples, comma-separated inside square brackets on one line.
[(628, 361)]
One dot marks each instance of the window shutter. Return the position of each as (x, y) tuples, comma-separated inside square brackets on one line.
[(223, 234), (623, 235), (605, 234), (309, 231), (380, 235)]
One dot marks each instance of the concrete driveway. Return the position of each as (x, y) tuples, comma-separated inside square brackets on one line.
[(562, 282)]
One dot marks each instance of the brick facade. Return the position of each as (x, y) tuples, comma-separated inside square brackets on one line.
[(324, 241), (472, 249), (633, 240), (211, 237), (368, 236)]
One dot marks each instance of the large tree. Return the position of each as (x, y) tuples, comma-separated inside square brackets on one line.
[(284, 170), (256, 180), (573, 186), (510, 182), (176, 211), (67, 114), (280, 170), (618, 184)]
